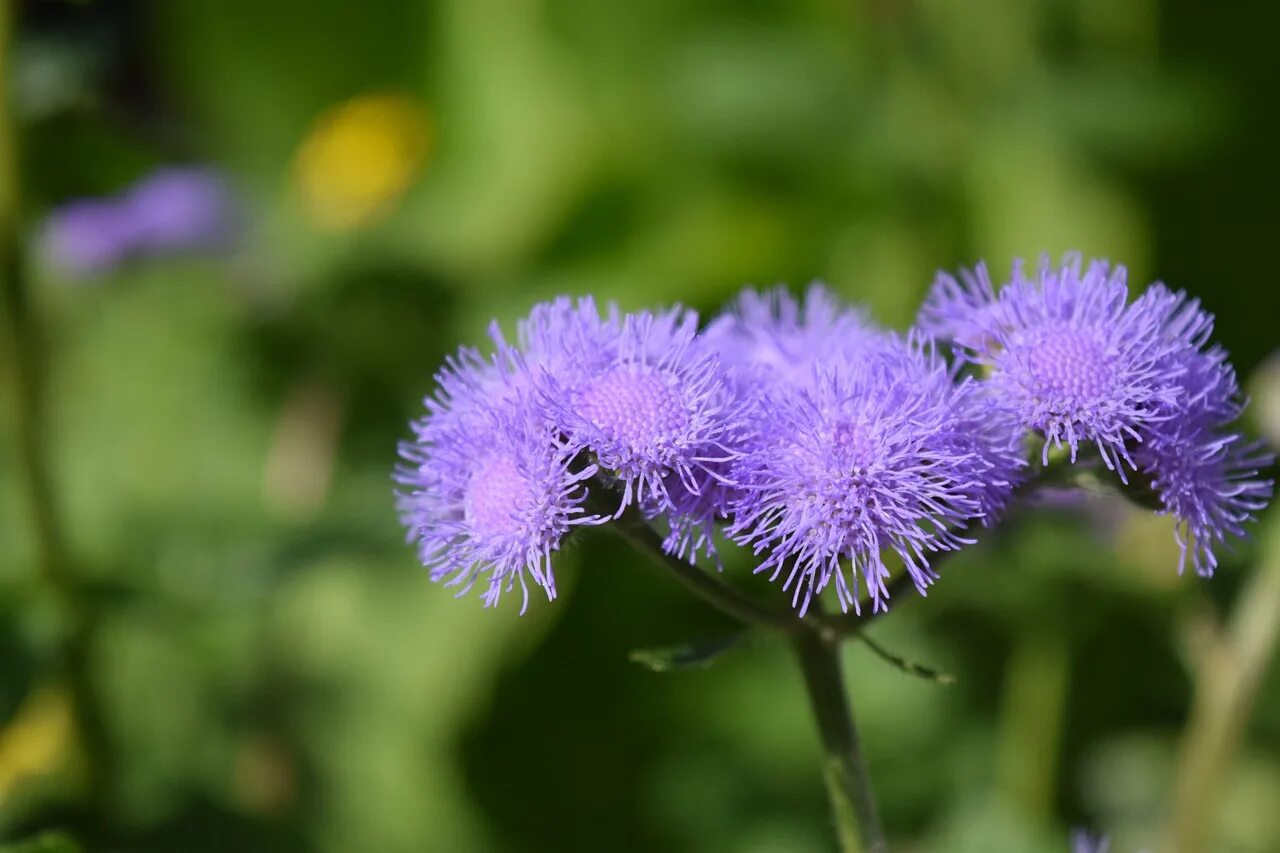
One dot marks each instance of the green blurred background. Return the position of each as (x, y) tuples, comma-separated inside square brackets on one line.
[(271, 669)]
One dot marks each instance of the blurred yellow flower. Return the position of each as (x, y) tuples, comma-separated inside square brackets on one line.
[(359, 157), (37, 741)]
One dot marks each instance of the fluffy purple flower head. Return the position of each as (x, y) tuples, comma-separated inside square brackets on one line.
[(769, 337), (491, 488), (691, 514), (958, 310), (882, 452), (1202, 474), (1209, 482), (1205, 383), (643, 394), (1072, 358)]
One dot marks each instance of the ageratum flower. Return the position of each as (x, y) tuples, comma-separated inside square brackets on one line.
[(641, 393), (1070, 356), (959, 310), (1209, 482), (885, 451), (491, 487), (1073, 359), (764, 339), (770, 338), (1203, 474)]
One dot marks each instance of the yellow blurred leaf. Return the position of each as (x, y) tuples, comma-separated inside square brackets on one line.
[(37, 741)]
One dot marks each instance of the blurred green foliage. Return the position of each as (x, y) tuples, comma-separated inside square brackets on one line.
[(275, 671)]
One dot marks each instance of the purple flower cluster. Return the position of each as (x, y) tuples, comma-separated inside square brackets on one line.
[(496, 475), (830, 448), (809, 435), (1077, 363), (174, 210)]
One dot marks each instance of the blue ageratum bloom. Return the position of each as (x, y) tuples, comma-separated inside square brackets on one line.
[(764, 339), (646, 397), (959, 309), (496, 474), (768, 338), (1210, 483), (1203, 473), (1068, 353), (491, 488), (882, 451), (1073, 360)]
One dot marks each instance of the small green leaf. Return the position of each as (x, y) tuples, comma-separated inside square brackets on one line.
[(909, 667), (45, 842), (684, 655)]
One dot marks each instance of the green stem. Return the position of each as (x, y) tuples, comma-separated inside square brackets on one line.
[(25, 348), (816, 639), (1035, 694), (844, 769), (728, 599)]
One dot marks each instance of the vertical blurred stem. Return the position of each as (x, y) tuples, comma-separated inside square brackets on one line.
[(1034, 693), (1228, 674), (24, 355), (844, 769), (22, 334)]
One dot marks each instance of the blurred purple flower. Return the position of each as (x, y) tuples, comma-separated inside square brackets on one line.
[(180, 209), (174, 210), (86, 238), (1083, 842)]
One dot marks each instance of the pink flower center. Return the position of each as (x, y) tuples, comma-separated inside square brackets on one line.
[(497, 497), (634, 405), (1067, 365)]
